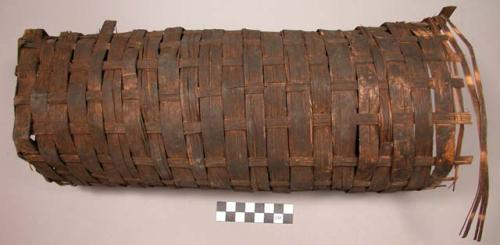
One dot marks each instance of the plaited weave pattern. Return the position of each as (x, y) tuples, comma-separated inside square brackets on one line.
[(371, 109)]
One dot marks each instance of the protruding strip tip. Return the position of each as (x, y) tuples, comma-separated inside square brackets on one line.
[(447, 11)]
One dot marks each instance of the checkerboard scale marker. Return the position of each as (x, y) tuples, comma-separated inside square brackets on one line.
[(254, 212)]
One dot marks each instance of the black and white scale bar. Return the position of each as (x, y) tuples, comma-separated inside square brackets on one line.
[(254, 212)]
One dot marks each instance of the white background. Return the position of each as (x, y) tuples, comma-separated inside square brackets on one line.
[(35, 212)]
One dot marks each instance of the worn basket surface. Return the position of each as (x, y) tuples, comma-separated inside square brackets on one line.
[(372, 109)]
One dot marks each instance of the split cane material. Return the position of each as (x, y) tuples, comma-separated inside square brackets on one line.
[(371, 109)]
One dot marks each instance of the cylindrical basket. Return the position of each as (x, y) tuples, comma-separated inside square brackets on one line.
[(372, 109)]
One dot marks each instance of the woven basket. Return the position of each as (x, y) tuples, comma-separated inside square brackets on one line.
[(360, 110)]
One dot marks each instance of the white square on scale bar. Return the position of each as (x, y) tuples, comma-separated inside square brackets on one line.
[(239, 217), (268, 207), (259, 218), (220, 216), (250, 207), (288, 208), (230, 206), (278, 219)]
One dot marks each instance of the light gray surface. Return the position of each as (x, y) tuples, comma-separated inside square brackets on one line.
[(35, 212)]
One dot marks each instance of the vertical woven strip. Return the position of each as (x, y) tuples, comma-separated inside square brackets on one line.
[(298, 89), (148, 72), (234, 113), (112, 112), (171, 118), (422, 103), (190, 46), (368, 107), (344, 107), (276, 111), (255, 110), (435, 59), (321, 95), (211, 113)]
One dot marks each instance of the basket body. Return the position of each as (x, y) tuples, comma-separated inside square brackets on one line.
[(372, 109)]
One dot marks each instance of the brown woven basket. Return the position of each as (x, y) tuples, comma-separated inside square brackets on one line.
[(359, 110)]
